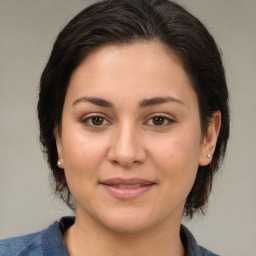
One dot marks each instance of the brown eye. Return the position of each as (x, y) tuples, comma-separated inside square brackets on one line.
[(158, 120), (97, 120)]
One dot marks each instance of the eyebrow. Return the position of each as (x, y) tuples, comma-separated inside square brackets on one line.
[(158, 101), (96, 101), (144, 103)]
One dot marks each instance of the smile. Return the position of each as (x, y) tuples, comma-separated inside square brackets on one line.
[(127, 189), (129, 186)]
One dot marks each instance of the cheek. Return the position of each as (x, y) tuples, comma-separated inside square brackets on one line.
[(181, 148), (176, 158), (82, 154), (82, 157)]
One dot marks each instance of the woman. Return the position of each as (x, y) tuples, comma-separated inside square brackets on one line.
[(134, 121)]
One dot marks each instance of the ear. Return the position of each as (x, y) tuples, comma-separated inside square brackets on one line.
[(57, 135), (210, 139)]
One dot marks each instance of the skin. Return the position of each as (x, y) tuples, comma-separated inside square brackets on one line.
[(128, 142)]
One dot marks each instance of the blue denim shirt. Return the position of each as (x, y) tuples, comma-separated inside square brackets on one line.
[(49, 242)]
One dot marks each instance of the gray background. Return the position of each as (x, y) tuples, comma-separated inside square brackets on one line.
[(27, 31)]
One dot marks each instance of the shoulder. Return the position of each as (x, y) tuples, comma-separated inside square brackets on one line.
[(192, 248), (46, 242), (22, 245), (205, 252)]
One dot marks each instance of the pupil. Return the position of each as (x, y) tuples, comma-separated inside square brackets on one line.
[(158, 120), (97, 120)]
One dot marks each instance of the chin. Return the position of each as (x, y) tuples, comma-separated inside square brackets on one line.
[(127, 221)]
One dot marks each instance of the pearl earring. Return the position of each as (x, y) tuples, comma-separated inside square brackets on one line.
[(59, 163), (208, 155)]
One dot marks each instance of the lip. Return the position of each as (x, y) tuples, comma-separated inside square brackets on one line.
[(130, 188)]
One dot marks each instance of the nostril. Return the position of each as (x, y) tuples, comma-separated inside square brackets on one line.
[(115, 162)]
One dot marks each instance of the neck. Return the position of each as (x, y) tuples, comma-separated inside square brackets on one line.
[(85, 236)]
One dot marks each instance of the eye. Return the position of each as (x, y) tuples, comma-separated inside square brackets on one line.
[(159, 120), (95, 121)]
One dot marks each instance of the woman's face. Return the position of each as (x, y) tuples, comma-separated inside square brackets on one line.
[(130, 140)]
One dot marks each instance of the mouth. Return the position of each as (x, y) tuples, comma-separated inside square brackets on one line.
[(127, 186), (127, 189)]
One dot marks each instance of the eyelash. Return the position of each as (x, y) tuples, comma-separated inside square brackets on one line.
[(88, 121), (167, 120)]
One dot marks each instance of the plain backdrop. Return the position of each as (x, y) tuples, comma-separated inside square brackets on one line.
[(28, 29)]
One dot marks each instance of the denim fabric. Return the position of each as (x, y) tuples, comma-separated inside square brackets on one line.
[(191, 246), (44, 243), (48, 242)]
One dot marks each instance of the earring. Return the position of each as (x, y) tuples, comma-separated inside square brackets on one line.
[(209, 155), (59, 163)]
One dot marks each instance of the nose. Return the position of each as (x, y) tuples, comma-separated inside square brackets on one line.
[(126, 147)]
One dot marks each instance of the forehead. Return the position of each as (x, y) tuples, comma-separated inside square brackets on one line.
[(131, 70)]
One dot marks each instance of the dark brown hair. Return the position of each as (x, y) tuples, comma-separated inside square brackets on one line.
[(125, 22)]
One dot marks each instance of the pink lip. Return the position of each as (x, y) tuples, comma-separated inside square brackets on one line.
[(111, 186)]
